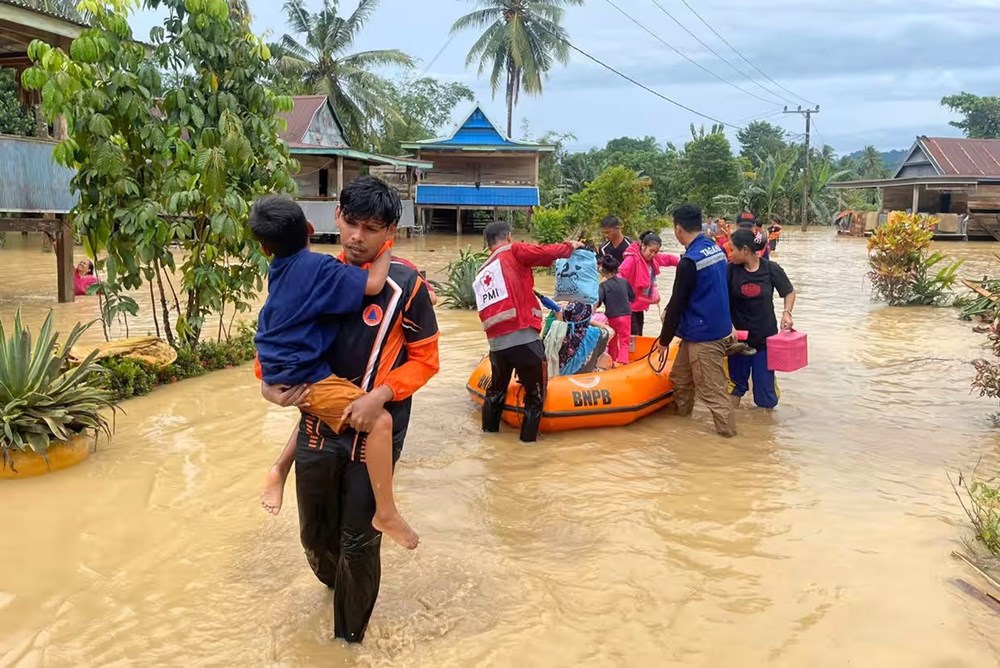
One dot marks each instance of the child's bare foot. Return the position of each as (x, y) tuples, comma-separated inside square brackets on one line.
[(395, 527), (274, 490)]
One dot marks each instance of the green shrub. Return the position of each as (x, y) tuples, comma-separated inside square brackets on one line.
[(617, 191), (548, 226), (981, 502), (900, 265), (127, 378), (457, 291)]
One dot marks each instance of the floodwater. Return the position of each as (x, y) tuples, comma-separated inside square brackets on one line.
[(820, 537)]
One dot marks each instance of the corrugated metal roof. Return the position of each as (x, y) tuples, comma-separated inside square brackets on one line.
[(487, 196), (23, 4), (480, 132), (301, 116), (963, 157), (298, 148)]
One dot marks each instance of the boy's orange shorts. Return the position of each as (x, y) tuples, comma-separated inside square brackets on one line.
[(330, 397)]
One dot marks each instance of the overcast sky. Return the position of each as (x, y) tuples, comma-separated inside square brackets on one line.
[(877, 68)]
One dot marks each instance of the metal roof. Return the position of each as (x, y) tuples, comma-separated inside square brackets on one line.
[(298, 148), (912, 181), (953, 156), (471, 196), (300, 118), (23, 4), (478, 133)]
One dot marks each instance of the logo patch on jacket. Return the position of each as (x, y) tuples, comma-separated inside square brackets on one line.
[(373, 315)]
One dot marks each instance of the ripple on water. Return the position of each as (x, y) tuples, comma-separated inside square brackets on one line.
[(820, 536)]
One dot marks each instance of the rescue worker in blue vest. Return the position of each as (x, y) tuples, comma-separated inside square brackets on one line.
[(698, 313)]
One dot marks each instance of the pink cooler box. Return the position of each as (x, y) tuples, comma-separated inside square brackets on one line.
[(787, 351)]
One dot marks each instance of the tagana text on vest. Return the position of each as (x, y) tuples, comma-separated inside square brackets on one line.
[(707, 317), (505, 305)]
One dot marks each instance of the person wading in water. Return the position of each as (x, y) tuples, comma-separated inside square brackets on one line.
[(698, 313), (512, 318), (390, 350), (753, 281)]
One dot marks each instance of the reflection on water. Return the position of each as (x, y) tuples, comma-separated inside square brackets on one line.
[(819, 537)]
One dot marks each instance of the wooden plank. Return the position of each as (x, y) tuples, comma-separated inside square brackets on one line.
[(50, 225), (64, 263), (340, 174)]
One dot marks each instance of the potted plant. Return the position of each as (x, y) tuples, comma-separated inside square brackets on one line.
[(50, 410)]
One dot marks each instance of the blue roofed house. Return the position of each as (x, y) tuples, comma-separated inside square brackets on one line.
[(477, 168)]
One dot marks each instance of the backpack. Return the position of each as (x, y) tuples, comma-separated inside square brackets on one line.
[(577, 279)]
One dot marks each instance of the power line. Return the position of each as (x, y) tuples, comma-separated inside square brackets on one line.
[(719, 55), (447, 43), (688, 58), (724, 41), (633, 81)]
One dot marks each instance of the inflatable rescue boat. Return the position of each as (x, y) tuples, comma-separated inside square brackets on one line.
[(607, 399)]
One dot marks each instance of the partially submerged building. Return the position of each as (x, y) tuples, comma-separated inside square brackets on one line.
[(477, 169), (34, 191), (954, 179), (316, 138)]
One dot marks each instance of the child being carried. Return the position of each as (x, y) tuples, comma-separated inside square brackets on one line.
[(295, 332)]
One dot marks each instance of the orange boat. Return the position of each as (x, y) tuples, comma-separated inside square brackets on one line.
[(607, 399)]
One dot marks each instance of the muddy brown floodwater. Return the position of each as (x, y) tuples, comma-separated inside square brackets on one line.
[(820, 537)]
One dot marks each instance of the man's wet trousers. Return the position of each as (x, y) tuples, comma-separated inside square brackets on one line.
[(528, 360)]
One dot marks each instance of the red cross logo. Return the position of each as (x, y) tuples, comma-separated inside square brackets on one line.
[(488, 280)]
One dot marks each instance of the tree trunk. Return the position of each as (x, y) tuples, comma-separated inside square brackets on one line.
[(510, 100), (163, 304)]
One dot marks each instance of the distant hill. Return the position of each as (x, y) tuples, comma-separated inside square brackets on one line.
[(890, 158)]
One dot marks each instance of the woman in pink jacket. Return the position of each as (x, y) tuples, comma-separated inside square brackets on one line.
[(640, 268)]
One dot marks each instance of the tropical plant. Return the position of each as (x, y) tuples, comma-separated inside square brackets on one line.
[(617, 191), (322, 63), (822, 200), (42, 399), (981, 503), (548, 226), (522, 41), (900, 265), (870, 164), (709, 167), (423, 106), (980, 115), (156, 165), (15, 118), (461, 273), (760, 139), (933, 288)]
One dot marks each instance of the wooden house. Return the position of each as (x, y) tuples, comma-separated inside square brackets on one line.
[(956, 180), (316, 138), (34, 191), (478, 172)]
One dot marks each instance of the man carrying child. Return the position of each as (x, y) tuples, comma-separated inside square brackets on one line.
[(386, 345)]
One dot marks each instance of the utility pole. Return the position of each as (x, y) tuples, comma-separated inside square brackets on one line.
[(805, 175)]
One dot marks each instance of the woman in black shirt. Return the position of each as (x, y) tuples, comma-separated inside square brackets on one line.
[(753, 281)]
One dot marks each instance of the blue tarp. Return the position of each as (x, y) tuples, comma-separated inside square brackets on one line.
[(487, 196)]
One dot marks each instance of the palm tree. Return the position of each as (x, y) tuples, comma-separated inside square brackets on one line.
[(522, 41), (871, 165), (323, 65)]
